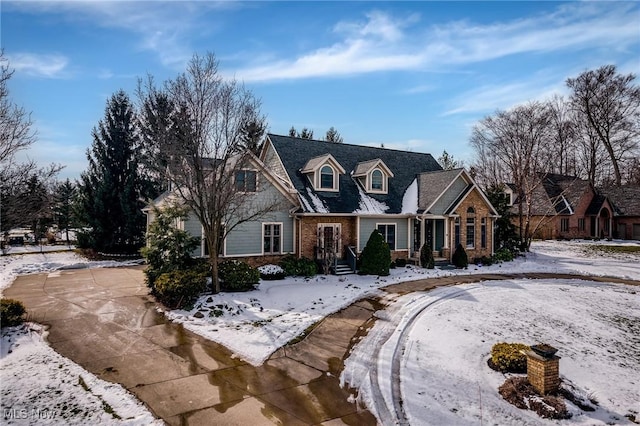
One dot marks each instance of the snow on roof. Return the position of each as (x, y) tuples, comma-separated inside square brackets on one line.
[(369, 205), (410, 198), (318, 205)]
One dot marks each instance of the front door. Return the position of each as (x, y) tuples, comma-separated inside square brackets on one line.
[(329, 240)]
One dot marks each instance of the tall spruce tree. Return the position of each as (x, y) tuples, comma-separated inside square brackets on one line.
[(111, 188)]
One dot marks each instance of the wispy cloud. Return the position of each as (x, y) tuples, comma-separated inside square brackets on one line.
[(165, 28), (385, 43), (48, 66), (489, 98)]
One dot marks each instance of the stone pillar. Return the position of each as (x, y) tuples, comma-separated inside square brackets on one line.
[(543, 373)]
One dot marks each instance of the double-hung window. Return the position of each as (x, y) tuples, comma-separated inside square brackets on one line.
[(388, 232), (271, 239), (326, 178), (471, 228), (483, 232)]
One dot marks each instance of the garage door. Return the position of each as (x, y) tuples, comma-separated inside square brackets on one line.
[(636, 231)]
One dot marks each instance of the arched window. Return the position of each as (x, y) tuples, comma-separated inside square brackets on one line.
[(326, 178), (376, 180)]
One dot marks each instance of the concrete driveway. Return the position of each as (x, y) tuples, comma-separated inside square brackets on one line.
[(104, 320)]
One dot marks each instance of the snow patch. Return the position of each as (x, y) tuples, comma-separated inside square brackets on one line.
[(318, 205), (369, 205), (410, 198)]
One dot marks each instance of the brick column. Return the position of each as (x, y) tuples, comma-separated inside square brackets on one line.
[(543, 373)]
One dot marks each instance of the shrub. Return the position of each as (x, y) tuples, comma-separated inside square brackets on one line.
[(271, 272), (168, 248), (484, 260), (302, 267), (11, 312), (401, 263), (237, 276), (460, 259), (506, 357), (426, 257), (503, 255), (376, 256), (177, 289)]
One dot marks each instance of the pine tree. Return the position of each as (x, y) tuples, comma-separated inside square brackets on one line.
[(63, 206), (333, 136), (459, 258), (426, 257), (111, 189)]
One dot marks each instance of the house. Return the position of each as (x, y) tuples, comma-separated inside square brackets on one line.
[(333, 195), (625, 201), (569, 207)]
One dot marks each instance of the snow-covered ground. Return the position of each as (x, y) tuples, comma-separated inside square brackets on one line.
[(437, 343), (254, 324), (39, 386)]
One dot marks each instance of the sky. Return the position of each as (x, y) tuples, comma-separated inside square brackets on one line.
[(407, 75)]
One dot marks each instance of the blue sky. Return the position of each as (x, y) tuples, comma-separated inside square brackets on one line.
[(409, 75)]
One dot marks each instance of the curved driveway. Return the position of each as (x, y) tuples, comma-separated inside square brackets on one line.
[(104, 320)]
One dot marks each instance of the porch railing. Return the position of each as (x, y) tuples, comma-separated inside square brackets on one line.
[(351, 258)]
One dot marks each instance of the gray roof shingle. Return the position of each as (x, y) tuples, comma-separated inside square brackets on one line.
[(295, 152)]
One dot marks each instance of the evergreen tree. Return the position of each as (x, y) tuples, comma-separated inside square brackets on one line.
[(333, 136), (65, 193), (426, 257), (447, 161), (112, 187), (376, 256), (505, 235)]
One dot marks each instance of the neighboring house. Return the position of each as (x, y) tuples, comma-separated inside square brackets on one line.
[(626, 210), (334, 195), (568, 207)]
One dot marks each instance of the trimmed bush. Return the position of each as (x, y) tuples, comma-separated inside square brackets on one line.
[(11, 312), (271, 272), (506, 357), (178, 289), (401, 263), (376, 256), (426, 257), (302, 267), (237, 276), (460, 259)]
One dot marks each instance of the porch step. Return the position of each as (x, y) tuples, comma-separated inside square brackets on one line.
[(343, 269)]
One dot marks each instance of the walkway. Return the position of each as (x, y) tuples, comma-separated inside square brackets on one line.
[(104, 320)]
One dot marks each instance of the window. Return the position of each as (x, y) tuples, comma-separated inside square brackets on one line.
[(271, 239), (388, 231), (326, 178), (456, 231), (483, 232), (564, 225), (376, 180), (246, 181), (471, 228), (581, 224)]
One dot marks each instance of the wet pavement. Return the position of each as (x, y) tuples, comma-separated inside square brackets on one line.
[(104, 320)]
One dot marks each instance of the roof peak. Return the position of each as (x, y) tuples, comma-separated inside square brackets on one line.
[(348, 144)]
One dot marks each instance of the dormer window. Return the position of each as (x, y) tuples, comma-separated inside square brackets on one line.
[(324, 173), (327, 178), (373, 175), (376, 180)]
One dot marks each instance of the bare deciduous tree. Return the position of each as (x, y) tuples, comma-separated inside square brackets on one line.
[(610, 104), (16, 132), (514, 142), (206, 157)]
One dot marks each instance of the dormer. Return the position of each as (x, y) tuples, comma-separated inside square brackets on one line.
[(324, 173), (373, 175)]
